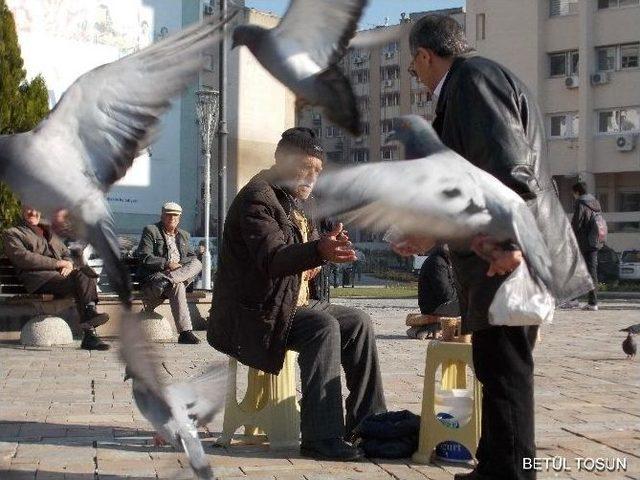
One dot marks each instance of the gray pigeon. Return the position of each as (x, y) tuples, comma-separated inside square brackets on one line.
[(303, 50), (634, 329), (439, 195), (90, 139), (175, 410), (629, 346)]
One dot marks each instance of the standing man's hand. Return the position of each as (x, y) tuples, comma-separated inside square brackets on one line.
[(501, 261), (335, 246)]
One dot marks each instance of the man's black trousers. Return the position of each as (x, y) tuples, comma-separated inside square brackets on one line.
[(326, 337)]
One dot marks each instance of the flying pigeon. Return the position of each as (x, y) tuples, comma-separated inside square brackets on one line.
[(175, 410), (90, 139), (629, 346), (633, 329), (303, 50), (439, 194)]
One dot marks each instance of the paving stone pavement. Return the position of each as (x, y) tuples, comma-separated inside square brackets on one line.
[(67, 414)]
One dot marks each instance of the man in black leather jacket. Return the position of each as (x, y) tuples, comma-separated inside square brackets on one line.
[(485, 114)]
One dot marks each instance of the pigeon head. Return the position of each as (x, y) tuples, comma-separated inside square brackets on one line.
[(250, 36), (417, 135)]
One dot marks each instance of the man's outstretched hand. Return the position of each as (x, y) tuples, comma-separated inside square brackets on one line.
[(335, 246)]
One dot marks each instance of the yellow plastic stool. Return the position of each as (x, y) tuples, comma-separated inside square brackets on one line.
[(453, 357), (269, 407)]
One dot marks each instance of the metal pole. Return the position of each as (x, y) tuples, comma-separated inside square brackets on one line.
[(222, 131), (206, 257)]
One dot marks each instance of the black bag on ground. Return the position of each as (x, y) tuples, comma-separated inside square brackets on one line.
[(389, 434)]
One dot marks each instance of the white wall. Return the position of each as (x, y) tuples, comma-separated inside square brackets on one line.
[(63, 39)]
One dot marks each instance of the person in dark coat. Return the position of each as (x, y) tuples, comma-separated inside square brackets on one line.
[(265, 301), (436, 290), (168, 265), (44, 265), (485, 114), (584, 209)]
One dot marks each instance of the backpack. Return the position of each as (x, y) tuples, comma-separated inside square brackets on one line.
[(598, 230)]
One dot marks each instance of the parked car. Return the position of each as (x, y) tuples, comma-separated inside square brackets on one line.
[(630, 265), (608, 265)]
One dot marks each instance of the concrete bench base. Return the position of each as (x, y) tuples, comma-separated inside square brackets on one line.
[(156, 327), (45, 331)]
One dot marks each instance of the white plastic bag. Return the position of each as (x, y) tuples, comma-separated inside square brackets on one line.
[(521, 301)]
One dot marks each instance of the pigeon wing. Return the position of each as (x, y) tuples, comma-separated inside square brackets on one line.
[(112, 112), (424, 196), (320, 29), (203, 396)]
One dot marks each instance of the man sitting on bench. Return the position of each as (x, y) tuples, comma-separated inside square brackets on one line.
[(44, 265), (167, 265), (265, 300)]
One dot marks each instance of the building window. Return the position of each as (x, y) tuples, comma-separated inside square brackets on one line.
[(363, 103), (386, 125), (602, 4), (480, 26), (360, 76), (390, 99), (389, 153), (359, 156), (606, 58), (335, 157), (562, 7), (365, 128), (619, 120), (564, 125), (390, 72), (629, 55), (318, 132), (564, 64), (333, 132)]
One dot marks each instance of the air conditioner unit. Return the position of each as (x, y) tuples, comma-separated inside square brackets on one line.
[(388, 83), (316, 116), (358, 60), (358, 140), (389, 54), (572, 82), (207, 9), (600, 78), (625, 143)]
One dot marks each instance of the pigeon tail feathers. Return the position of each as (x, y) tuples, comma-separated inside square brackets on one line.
[(339, 100), (100, 231)]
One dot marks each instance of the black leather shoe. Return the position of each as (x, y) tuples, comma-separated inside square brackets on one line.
[(92, 342), (188, 337), (331, 449), (472, 475), (92, 319)]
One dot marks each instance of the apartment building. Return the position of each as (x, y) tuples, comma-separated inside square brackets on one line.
[(384, 91), (581, 59)]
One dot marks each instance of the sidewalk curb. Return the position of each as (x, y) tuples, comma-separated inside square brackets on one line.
[(619, 295)]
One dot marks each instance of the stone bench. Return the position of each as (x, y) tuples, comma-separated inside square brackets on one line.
[(41, 313)]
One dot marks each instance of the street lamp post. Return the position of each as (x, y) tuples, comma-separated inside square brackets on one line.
[(207, 114)]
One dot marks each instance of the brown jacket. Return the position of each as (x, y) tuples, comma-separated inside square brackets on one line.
[(33, 256), (262, 259)]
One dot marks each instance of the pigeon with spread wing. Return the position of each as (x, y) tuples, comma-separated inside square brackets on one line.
[(99, 126), (439, 194), (303, 51), (176, 410)]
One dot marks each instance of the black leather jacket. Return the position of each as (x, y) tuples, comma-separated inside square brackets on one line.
[(486, 114)]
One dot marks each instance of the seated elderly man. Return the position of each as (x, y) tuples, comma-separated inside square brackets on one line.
[(168, 266), (44, 265), (265, 303)]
